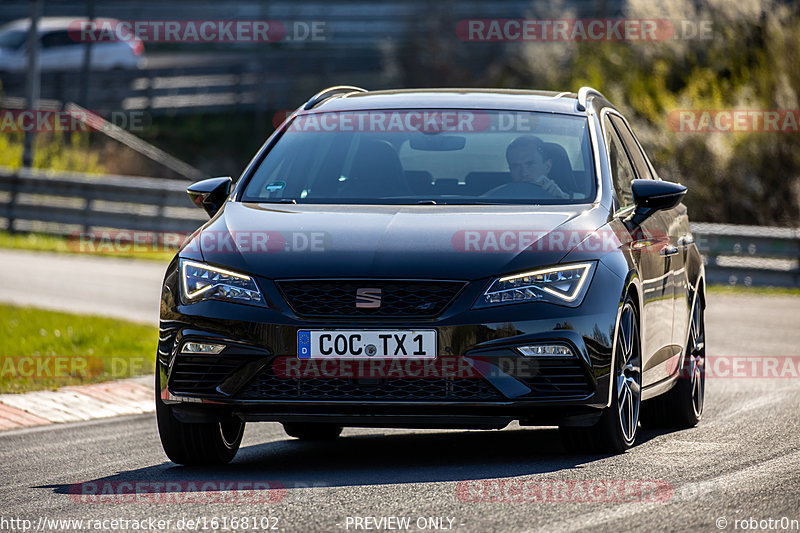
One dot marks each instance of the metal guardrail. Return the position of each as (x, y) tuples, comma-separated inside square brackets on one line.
[(749, 255), (64, 203), (157, 91)]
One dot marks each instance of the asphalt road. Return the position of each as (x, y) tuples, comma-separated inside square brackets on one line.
[(86, 284), (741, 462)]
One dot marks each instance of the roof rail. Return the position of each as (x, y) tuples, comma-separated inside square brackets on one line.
[(583, 95), (331, 91)]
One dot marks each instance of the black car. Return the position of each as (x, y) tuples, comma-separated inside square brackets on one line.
[(438, 258)]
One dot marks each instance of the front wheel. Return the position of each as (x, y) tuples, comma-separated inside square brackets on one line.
[(207, 443), (618, 426)]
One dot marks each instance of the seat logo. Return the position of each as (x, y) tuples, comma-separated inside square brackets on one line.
[(368, 298)]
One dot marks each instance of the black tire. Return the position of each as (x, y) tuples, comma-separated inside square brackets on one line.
[(312, 432), (617, 428), (682, 406), (209, 443)]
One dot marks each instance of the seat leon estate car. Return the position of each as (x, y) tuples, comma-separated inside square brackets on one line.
[(437, 258)]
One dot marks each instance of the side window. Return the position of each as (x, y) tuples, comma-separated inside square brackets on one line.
[(621, 168), (639, 162), (57, 38)]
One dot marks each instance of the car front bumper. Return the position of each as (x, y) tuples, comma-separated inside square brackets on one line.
[(488, 383)]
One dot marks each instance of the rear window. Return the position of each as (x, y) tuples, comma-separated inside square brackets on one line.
[(428, 156)]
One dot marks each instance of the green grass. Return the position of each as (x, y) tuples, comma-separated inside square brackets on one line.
[(47, 349), (53, 243), (738, 289)]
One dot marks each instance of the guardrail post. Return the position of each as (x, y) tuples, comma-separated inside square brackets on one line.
[(238, 76), (163, 223), (148, 91), (12, 202), (87, 211)]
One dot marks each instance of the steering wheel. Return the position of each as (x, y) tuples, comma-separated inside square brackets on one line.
[(519, 189)]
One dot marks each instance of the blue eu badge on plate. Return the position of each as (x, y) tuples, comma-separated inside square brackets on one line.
[(303, 345)]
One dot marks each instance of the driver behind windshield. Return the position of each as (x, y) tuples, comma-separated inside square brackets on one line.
[(529, 163)]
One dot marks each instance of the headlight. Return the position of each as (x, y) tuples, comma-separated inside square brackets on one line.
[(564, 285), (205, 282)]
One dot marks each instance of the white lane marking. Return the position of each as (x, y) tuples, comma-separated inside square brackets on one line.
[(735, 411), (779, 467), (696, 447)]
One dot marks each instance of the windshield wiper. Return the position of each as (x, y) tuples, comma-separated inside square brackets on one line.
[(426, 202)]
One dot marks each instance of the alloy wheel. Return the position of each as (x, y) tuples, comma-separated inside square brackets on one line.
[(629, 375), (697, 360)]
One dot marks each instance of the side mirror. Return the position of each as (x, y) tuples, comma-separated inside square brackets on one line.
[(651, 196), (210, 194)]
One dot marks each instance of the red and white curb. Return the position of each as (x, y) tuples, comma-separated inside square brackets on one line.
[(73, 404)]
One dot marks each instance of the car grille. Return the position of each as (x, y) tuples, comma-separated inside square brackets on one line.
[(266, 386), (557, 378), (201, 374), (337, 298)]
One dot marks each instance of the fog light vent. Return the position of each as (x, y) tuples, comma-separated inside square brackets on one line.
[(545, 350), (202, 348)]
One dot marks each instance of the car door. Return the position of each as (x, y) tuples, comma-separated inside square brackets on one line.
[(680, 238), (646, 249)]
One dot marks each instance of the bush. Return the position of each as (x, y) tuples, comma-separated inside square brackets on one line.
[(752, 61), (52, 151)]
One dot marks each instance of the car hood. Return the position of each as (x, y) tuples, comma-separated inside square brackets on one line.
[(421, 242)]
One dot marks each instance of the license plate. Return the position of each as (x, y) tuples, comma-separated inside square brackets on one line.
[(366, 344)]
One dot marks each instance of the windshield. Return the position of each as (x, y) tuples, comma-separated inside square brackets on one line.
[(428, 156), (12, 39)]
